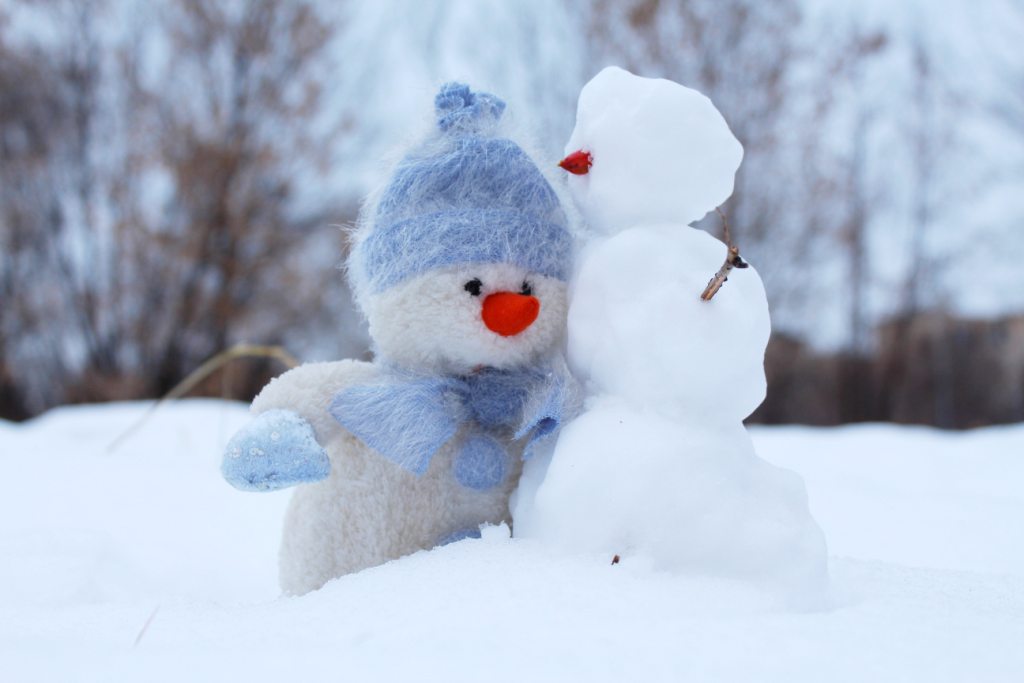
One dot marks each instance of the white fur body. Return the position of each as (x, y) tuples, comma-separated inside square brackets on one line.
[(369, 510)]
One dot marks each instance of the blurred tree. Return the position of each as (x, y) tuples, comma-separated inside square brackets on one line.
[(34, 119), (156, 161), (234, 150), (150, 182)]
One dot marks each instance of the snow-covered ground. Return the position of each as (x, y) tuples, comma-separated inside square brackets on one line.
[(142, 564)]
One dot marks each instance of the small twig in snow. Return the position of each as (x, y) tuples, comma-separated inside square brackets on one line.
[(145, 627)]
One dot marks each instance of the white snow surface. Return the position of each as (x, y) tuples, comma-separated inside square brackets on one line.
[(661, 152), (927, 573)]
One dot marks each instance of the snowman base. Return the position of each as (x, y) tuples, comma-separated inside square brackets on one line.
[(629, 482)]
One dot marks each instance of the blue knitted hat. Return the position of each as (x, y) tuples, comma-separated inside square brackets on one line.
[(464, 196)]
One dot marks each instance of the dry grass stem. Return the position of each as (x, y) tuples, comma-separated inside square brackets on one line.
[(202, 372)]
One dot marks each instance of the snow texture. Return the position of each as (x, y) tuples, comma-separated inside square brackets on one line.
[(660, 465), (635, 483), (652, 129), (927, 578), (639, 290)]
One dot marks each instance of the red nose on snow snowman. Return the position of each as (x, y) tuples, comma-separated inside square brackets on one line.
[(659, 464)]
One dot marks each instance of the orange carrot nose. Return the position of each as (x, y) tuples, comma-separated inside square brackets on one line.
[(508, 313)]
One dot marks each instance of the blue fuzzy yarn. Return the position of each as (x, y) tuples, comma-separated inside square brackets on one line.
[(404, 419), (276, 450), (547, 410), (465, 197), (480, 464), (408, 418), (499, 396), (460, 108), (413, 247)]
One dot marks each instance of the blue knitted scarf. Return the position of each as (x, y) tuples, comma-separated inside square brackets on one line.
[(408, 417)]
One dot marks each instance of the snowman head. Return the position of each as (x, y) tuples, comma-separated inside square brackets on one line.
[(463, 260), (647, 151)]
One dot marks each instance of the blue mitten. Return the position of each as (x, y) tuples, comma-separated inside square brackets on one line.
[(276, 450)]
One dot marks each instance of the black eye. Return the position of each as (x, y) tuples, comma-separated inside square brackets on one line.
[(527, 288), (473, 286)]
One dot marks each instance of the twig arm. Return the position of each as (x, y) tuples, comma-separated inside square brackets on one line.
[(732, 260)]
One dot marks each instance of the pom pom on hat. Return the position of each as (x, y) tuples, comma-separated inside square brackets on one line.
[(460, 110), (464, 196)]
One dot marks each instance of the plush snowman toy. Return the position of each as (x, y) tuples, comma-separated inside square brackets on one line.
[(660, 465), (460, 266)]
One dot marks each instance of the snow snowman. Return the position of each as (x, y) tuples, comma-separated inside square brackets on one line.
[(659, 464), (461, 266)]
